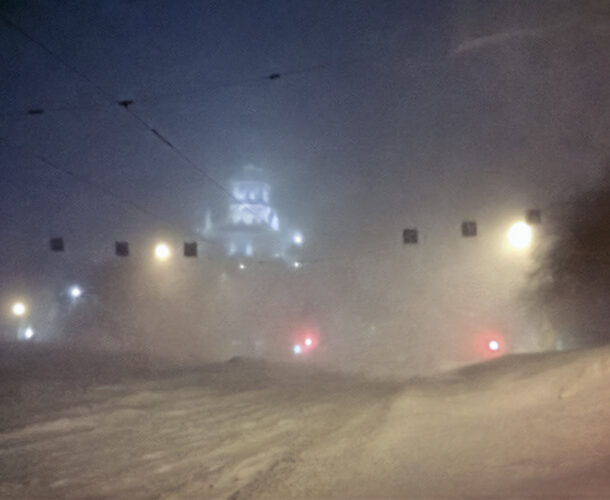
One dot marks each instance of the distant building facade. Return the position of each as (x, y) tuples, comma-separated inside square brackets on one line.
[(251, 226)]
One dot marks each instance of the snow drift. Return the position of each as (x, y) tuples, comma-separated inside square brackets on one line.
[(519, 426)]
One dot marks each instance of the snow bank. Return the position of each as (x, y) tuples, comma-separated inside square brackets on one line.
[(512, 428), (539, 377)]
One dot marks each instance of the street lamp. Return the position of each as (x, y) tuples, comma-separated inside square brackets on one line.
[(75, 291), (297, 239), (162, 251), (19, 309), (520, 235)]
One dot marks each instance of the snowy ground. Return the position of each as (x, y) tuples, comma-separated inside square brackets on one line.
[(519, 427)]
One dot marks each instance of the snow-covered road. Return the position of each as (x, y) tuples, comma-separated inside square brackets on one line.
[(518, 427)]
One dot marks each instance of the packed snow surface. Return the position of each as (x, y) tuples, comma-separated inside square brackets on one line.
[(76, 425)]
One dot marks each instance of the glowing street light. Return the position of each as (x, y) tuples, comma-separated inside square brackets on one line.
[(520, 235), (297, 239), (28, 333), (308, 341), (75, 292), (297, 349), (493, 345), (19, 309), (242, 266), (162, 251), (296, 264)]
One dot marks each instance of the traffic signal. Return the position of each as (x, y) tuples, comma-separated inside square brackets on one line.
[(410, 236), (190, 249), (56, 244), (121, 248), (469, 228)]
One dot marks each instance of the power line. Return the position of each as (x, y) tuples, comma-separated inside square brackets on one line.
[(55, 56), (182, 155), (102, 189), (158, 97), (141, 120), (85, 180), (125, 104), (256, 79), (160, 136)]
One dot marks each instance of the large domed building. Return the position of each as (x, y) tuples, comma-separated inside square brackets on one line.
[(251, 226)]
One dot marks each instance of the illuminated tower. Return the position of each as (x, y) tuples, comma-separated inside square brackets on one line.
[(252, 225), (251, 208)]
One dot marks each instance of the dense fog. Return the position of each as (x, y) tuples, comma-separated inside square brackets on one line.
[(381, 117)]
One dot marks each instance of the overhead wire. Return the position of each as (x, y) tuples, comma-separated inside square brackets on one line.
[(182, 155), (162, 96), (256, 79), (106, 191), (126, 104), (55, 56), (85, 180)]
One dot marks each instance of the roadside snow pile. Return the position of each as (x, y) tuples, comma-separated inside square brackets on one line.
[(536, 377), (520, 426)]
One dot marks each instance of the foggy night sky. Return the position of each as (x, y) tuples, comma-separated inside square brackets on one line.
[(414, 127), (386, 115)]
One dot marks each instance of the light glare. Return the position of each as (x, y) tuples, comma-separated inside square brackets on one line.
[(297, 349), (520, 235), (162, 251), (18, 308), (494, 345), (75, 292), (29, 333), (308, 342), (297, 239)]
